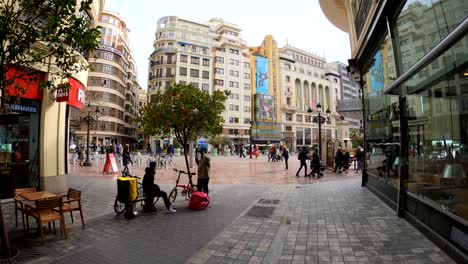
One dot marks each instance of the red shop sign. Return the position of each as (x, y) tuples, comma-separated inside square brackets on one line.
[(30, 84), (77, 94), (61, 96)]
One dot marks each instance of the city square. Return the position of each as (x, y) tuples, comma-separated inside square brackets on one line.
[(312, 131)]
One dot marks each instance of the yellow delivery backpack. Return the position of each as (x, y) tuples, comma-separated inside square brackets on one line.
[(127, 189)]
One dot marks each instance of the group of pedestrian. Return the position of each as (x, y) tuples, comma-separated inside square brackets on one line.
[(315, 164), (342, 161)]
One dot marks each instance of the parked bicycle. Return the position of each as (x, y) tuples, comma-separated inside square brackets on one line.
[(119, 207), (185, 190)]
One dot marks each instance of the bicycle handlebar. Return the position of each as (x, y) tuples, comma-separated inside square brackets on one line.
[(183, 172)]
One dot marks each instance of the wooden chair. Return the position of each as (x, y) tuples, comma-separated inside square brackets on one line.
[(45, 211), (19, 203), (73, 203)]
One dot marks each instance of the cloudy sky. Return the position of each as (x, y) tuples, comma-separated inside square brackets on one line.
[(301, 22)]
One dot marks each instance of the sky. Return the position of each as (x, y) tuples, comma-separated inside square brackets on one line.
[(300, 22)]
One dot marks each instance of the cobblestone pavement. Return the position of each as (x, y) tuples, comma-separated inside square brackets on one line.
[(260, 214)]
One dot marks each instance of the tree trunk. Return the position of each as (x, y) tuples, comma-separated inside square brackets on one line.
[(187, 165), (6, 250)]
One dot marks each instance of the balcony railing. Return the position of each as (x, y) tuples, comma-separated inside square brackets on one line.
[(361, 15)]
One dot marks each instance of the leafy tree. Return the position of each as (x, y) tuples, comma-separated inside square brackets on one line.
[(46, 34), (185, 112)]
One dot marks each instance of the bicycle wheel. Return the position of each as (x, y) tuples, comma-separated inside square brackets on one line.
[(119, 207), (156, 200), (173, 195)]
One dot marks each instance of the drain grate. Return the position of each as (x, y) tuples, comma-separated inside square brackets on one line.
[(268, 201), (260, 212), (24, 255)]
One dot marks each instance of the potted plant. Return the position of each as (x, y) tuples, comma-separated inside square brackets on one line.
[(177, 147)]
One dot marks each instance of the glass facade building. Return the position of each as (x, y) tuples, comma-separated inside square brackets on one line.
[(411, 58)]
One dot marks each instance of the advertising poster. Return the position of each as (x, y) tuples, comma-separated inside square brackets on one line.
[(262, 75), (264, 108), (376, 73)]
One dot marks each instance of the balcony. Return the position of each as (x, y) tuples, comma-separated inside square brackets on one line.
[(289, 108), (166, 50), (362, 15)]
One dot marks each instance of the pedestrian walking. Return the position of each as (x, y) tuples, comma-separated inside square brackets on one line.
[(152, 190), (81, 154), (250, 151), (315, 165), (285, 155), (203, 172), (360, 155), (346, 158), (338, 160), (242, 153), (302, 159), (126, 159), (256, 151)]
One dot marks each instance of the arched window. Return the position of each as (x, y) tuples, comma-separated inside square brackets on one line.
[(298, 94)]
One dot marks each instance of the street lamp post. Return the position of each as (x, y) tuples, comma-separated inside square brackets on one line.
[(319, 120), (88, 118), (240, 146)]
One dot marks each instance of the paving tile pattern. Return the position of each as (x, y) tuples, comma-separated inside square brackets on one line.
[(330, 222)]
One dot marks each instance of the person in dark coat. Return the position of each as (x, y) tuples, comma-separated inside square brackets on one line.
[(315, 165), (338, 160), (346, 158), (302, 159), (152, 190), (126, 159), (285, 155)]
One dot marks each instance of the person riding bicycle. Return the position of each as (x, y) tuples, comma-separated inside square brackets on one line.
[(152, 190)]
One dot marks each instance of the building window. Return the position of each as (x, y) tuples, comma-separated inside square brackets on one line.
[(233, 120), (288, 117), (246, 121), (205, 87), (299, 118), (183, 71), (234, 62), (234, 51), (288, 100), (219, 59), (194, 49), (246, 97), (234, 84), (246, 65), (219, 70), (234, 73), (204, 51), (288, 79), (205, 74), (234, 96), (194, 73), (219, 82), (247, 109), (288, 128), (246, 86), (183, 58), (206, 62), (247, 75), (195, 60), (233, 107), (194, 84)]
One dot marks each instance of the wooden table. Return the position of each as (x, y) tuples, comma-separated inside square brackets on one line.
[(34, 196)]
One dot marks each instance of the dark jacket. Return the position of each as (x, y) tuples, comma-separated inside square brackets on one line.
[(315, 160), (285, 153), (339, 157), (149, 187), (302, 156), (126, 158)]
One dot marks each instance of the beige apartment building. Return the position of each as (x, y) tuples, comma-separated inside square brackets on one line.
[(305, 82), (208, 56), (112, 86)]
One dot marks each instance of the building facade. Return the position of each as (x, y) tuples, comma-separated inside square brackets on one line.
[(208, 56), (112, 87), (304, 84), (349, 103), (412, 65)]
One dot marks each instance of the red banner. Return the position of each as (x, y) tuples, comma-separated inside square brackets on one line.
[(25, 85), (76, 95)]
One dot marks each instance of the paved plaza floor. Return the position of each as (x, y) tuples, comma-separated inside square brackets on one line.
[(260, 213)]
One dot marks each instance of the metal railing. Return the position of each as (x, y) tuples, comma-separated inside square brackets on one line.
[(362, 15)]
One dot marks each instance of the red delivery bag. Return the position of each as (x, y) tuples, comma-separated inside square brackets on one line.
[(199, 201)]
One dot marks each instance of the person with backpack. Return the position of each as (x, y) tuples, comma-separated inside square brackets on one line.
[(203, 171), (126, 159), (346, 159), (152, 190), (285, 155), (302, 157)]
